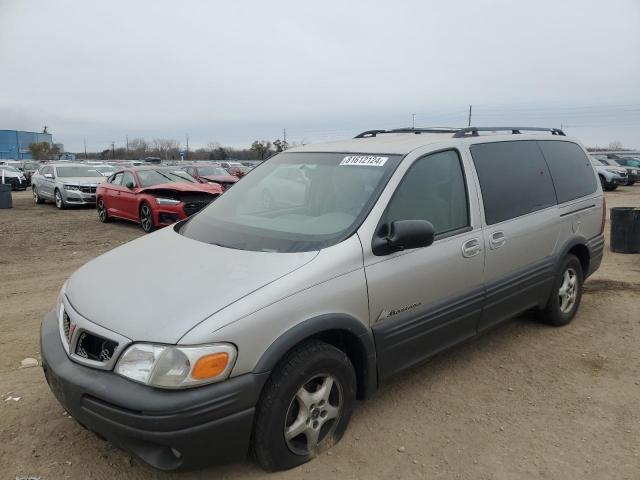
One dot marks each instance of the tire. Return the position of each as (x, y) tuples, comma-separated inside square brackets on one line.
[(146, 218), (59, 201), (561, 309), (103, 215), (329, 380), (36, 197)]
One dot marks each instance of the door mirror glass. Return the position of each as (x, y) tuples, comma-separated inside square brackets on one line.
[(130, 185), (403, 235)]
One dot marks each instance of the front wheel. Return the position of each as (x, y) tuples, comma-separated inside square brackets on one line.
[(305, 407), (566, 294), (146, 218), (59, 200)]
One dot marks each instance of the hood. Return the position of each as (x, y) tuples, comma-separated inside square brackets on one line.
[(158, 287), (221, 178), (10, 174), (81, 180), (183, 187)]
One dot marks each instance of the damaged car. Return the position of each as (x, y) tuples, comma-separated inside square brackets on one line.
[(153, 196)]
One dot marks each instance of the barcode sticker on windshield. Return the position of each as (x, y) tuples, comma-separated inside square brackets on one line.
[(367, 160)]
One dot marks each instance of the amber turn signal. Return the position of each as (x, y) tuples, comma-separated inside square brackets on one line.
[(210, 366)]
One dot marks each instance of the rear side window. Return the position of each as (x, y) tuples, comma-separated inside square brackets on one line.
[(570, 168), (433, 189), (514, 179)]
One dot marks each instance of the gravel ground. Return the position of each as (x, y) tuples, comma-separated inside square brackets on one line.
[(523, 401)]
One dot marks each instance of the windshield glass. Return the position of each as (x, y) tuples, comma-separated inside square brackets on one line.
[(633, 162), (79, 171), (7, 168), (295, 202), (155, 177), (595, 161), (212, 171)]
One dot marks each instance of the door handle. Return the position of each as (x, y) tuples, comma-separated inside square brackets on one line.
[(471, 248), (497, 240)]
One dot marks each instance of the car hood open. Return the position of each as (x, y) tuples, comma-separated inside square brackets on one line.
[(158, 287)]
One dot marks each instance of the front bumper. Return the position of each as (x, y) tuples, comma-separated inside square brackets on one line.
[(76, 197), (168, 429)]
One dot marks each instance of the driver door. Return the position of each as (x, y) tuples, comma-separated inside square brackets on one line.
[(423, 300)]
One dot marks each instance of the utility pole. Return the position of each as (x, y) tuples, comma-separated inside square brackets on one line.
[(186, 157), (113, 150), (85, 148), (127, 148), (284, 135), (413, 121), (469, 123)]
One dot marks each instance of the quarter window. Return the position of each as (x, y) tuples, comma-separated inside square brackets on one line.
[(571, 170), (514, 179), (433, 189)]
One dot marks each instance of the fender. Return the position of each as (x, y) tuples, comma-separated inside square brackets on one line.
[(594, 246), (366, 370)]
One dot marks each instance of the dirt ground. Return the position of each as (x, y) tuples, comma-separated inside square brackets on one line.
[(524, 401)]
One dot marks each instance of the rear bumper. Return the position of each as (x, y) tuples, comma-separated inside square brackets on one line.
[(168, 429)]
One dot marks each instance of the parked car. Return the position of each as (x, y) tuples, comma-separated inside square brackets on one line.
[(629, 162), (633, 173), (211, 173), (228, 165), (10, 175), (153, 196), (66, 184), (610, 177), (26, 167), (238, 171), (257, 327), (105, 170)]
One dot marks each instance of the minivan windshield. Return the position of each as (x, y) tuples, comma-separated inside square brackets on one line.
[(77, 171), (295, 202)]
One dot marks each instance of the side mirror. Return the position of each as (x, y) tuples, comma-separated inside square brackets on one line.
[(403, 235), (130, 185), (48, 175)]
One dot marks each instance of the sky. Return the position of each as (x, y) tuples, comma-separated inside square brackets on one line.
[(234, 72)]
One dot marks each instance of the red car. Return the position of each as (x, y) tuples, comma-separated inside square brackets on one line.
[(211, 173), (239, 172), (153, 196)]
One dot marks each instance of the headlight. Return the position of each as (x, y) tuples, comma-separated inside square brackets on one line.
[(167, 201), (168, 366), (59, 302), (71, 187)]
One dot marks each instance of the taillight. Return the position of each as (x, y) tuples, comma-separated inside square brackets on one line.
[(604, 214)]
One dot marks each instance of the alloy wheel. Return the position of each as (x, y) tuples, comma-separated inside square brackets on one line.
[(102, 211), (58, 199), (568, 292), (313, 414), (146, 218)]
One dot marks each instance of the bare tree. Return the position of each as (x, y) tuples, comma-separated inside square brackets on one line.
[(261, 149), (615, 145), (165, 147)]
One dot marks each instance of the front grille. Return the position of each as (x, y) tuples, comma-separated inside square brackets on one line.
[(87, 189), (194, 207), (94, 347)]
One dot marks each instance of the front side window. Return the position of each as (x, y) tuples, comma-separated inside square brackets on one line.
[(433, 189), (514, 179), (295, 202), (116, 179), (128, 177)]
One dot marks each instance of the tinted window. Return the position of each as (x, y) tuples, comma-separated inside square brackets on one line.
[(514, 179), (433, 189), (571, 170)]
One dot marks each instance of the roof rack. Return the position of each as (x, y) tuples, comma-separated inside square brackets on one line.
[(473, 131), (417, 131)]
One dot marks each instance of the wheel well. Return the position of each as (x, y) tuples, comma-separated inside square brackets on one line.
[(348, 343), (582, 252)]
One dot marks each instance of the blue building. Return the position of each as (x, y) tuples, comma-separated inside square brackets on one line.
[(14, 144)]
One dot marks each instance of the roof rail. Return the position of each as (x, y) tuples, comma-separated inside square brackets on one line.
[(417, 131), (473, 131)]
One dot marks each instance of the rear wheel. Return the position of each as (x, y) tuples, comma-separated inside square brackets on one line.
[(146, 218), (59, 200), (36, 196), (305, 406), (103, 216), (566, 294)]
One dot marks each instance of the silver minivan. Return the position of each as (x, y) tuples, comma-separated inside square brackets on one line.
[(255, 325)]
